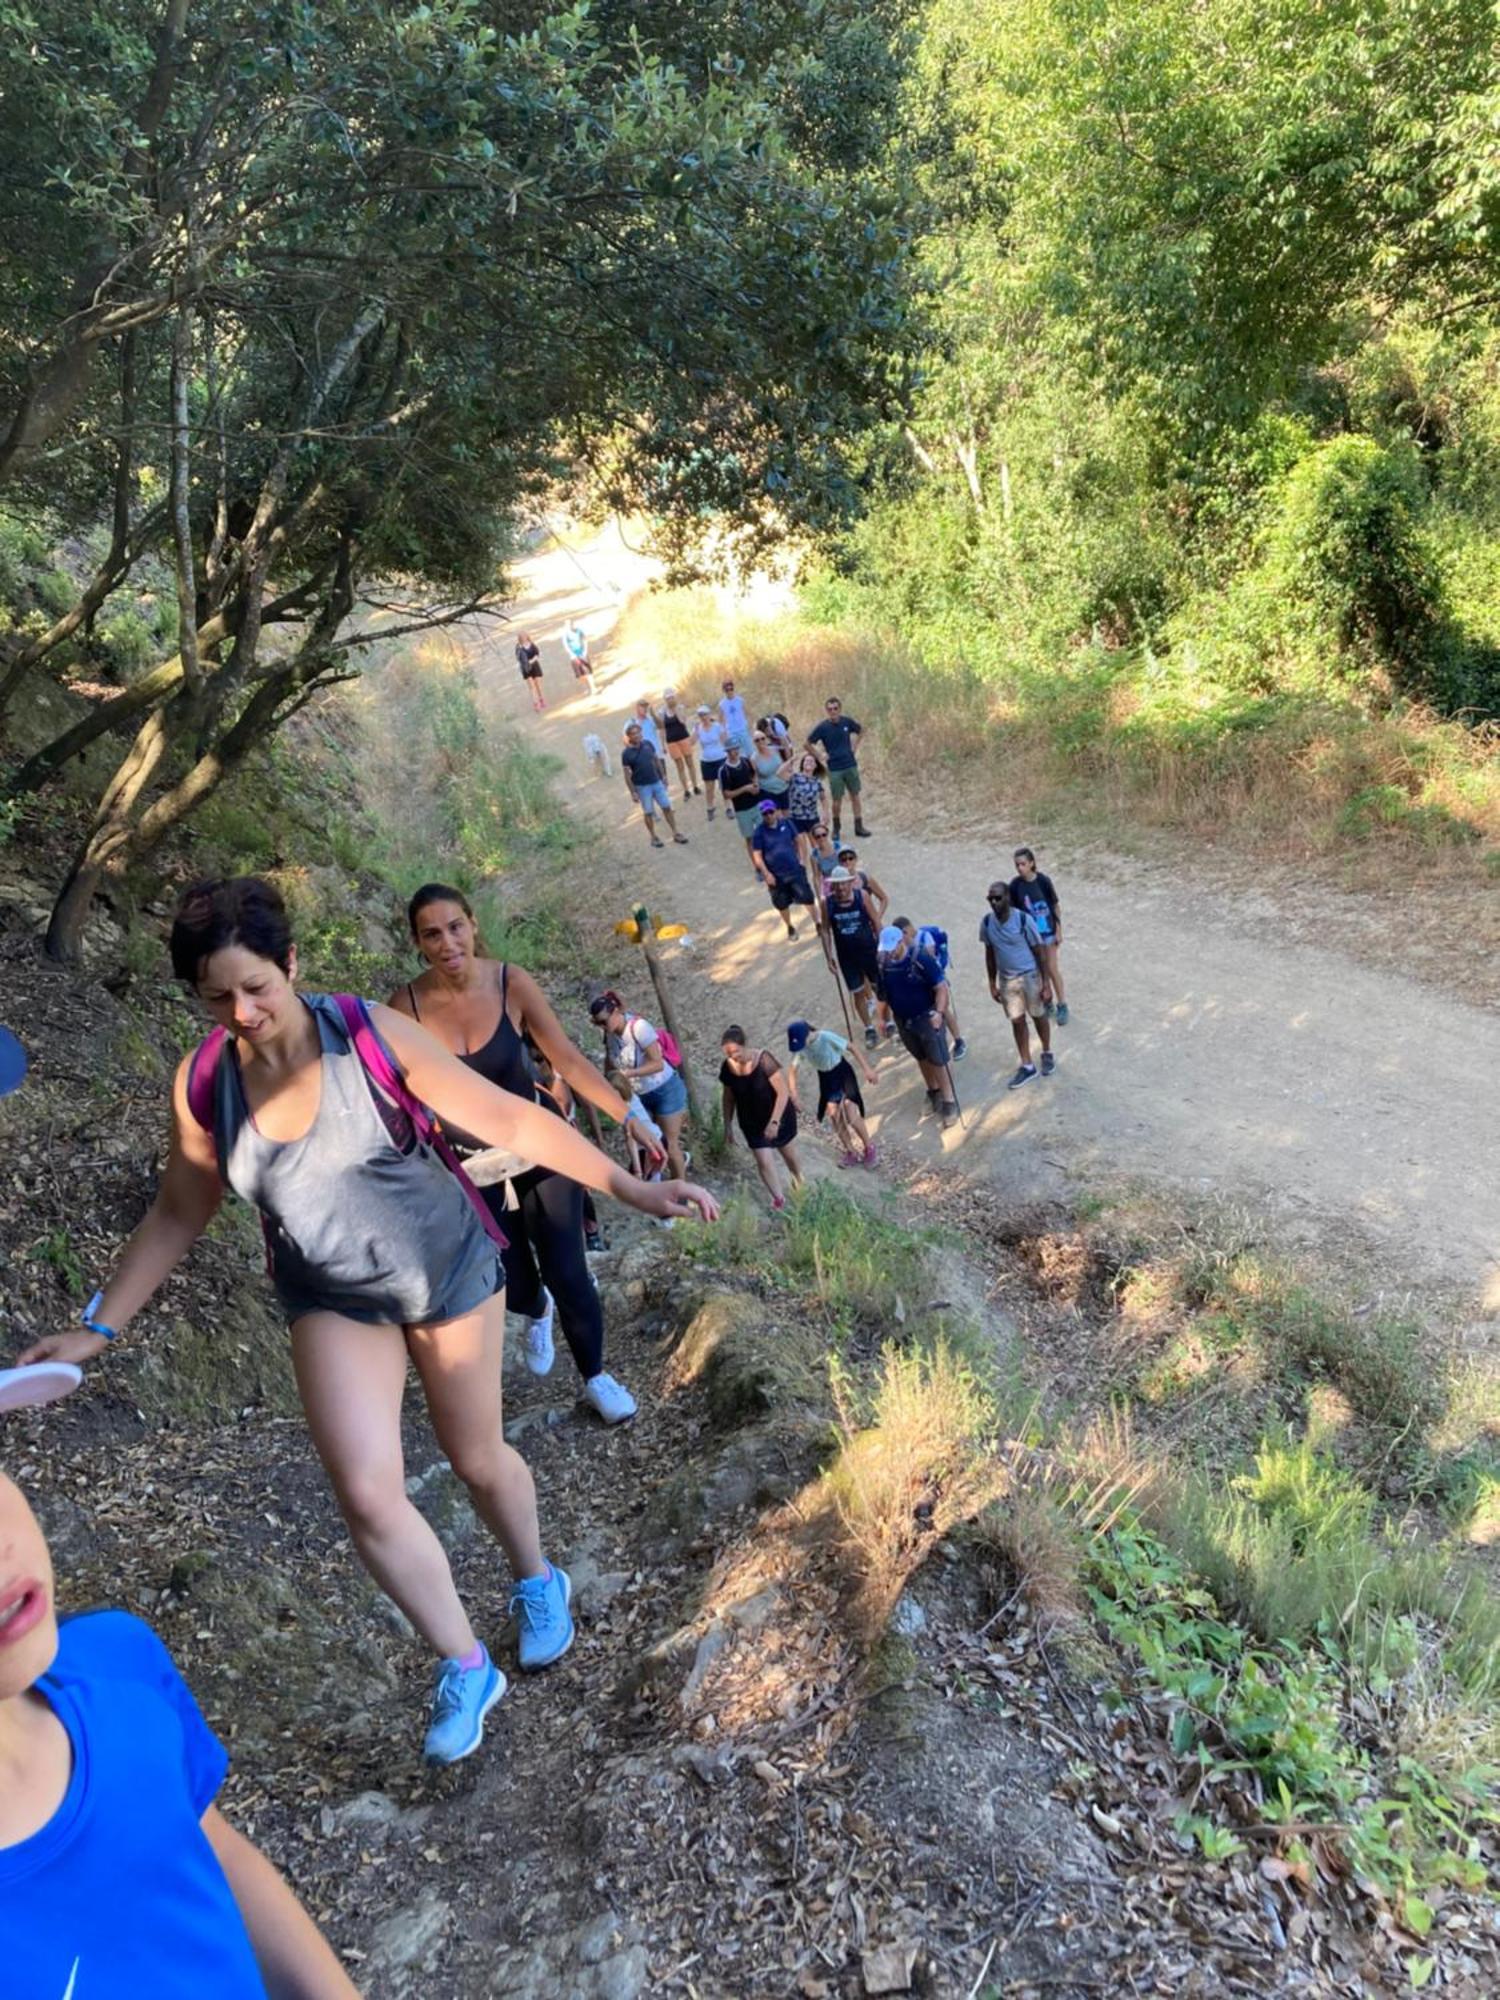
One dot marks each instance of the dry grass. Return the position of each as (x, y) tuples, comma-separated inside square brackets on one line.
[(1109, 741), (919, 1457)]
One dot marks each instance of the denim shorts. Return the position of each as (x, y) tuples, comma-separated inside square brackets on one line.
[(654, 798), (666, 1100)]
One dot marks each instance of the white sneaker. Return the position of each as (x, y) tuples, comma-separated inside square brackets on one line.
[(609, 1399), (539, 1349)]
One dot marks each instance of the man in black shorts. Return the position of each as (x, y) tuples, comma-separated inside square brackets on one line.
[(778, 859), (917, 994), (851, 924)]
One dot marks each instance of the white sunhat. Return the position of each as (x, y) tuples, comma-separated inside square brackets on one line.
[(839, 875)]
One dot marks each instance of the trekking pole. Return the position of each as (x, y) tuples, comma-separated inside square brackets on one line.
[(838, 980)]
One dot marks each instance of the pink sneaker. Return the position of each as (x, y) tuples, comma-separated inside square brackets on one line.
[(851, 1159), (869, 1156)]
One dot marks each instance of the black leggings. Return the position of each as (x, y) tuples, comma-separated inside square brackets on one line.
[(544, 1239)]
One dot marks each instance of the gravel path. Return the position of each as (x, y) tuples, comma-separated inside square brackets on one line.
[(1206, 1048)]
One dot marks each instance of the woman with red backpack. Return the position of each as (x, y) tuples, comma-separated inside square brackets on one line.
[(650, 1057), (315, 1108)]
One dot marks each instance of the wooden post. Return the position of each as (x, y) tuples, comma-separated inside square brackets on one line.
[(669, 1017)]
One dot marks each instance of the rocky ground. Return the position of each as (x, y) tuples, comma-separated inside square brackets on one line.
[(747, 1778)]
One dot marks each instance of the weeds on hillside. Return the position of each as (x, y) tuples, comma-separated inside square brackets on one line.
[(1329, 1684)]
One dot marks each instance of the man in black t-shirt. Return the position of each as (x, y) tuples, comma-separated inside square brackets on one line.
[(836, 740)]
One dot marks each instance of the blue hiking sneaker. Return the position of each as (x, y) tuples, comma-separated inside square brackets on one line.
[(1049, 1062), (1023, 1075), (960, 1049), (539, 1604), (1062, 1013), (461, 1700)]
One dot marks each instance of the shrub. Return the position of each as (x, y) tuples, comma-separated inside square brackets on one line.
[(57, 591), (128, 644), (1347, 544)]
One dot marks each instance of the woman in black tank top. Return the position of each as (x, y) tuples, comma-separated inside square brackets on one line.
[(681, 748), (457, 999)]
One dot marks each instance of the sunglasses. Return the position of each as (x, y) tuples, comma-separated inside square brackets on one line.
[(997, 900)]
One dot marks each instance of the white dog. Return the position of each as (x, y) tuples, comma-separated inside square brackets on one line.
[(598, 756)]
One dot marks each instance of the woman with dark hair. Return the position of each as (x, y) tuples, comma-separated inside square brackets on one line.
[(633, 1048), (758, 1092), (529, 660), (314, 1109), (483, 1011)]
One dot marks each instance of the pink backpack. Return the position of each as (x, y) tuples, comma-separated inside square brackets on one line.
[(666, 1041), (382, 1072)]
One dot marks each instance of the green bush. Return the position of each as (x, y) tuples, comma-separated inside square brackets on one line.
[(128, 644), (57, 591), (23, 549), (1348, 546)]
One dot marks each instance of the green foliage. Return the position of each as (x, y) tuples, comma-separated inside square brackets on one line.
[(129, 643), (56, 591), (860, 1263), (23, 550), (58, 1250), (1279, 1713), (1346, 547)]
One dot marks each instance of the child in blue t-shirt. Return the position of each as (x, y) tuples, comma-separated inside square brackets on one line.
[(119, 1877)]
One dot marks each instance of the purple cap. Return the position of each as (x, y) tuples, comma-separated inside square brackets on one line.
[(768, 806)]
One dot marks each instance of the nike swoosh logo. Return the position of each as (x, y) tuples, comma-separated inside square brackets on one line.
[(72, 1981)]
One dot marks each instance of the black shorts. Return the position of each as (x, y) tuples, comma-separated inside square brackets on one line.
[(786, 1131), (920, 1039), (860, 966), (804, 825), (797, 890), (711, 767), (838, 1085)]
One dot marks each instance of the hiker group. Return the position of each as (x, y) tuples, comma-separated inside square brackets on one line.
[(787, 804), (417, 1165)]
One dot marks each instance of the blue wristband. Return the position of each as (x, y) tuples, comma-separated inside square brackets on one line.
[(95, 1325)]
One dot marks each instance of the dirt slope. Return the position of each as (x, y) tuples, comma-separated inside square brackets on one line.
[(1205, 1048)]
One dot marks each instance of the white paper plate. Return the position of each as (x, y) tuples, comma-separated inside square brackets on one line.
[(42, 1382)]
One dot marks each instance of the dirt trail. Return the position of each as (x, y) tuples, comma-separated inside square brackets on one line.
[(1204, 1047)]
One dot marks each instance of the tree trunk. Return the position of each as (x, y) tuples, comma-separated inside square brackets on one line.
[(123, 553), (107, 839), (182, 524)]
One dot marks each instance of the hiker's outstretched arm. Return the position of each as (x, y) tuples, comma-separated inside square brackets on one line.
[(187, 1199), (471, 1104)]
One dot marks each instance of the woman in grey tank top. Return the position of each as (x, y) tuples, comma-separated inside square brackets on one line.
[(377, 1257)]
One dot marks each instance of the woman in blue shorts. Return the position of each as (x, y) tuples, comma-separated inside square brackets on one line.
[(378, 1256), (633, 1048)]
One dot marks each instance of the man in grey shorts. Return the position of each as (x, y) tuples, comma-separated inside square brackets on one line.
[(1018, 978)]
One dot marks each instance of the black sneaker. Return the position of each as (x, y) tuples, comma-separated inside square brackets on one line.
[(960, 1049), (594, 1241), (872, 1040), (1025, 1074), (948, 1113), (1049, 1062), (861, 831)]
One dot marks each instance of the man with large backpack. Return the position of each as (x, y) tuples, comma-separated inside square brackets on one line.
[(932, 940), (917, 994), (1018, 978)]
